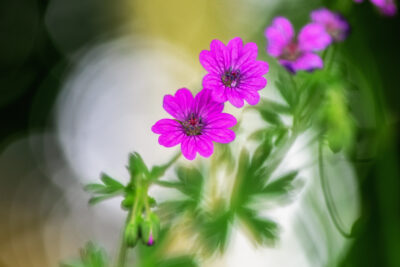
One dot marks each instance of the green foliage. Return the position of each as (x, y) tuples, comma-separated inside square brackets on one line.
[(263, 230), (109, 188), (90, 256), (281, 186), (137, 166), (214, 228)]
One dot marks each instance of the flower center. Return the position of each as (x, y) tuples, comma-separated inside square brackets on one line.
[(231, 78), (193, 125), (291, 52)]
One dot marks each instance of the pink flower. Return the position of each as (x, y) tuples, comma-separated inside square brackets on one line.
[(197, 123), (296, 53), (334, 23), (234, 74), (386, 7)]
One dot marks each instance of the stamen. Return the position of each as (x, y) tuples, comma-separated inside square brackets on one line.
[(193, 125), (231, 78)]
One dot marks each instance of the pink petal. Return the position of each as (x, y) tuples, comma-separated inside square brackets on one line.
[(220, 54), (219, 95), (252, 97), (308, 62), (165, 126), (208, 62), (313, 37), (234, 97), (222, 120), (234, 47), (211, 81), (221, 135), (247, 54), (171, 139), (204, 146), (204, 104), (279, 34), (179, 105), (188, 147)]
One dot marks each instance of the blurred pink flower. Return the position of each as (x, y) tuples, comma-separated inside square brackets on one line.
[(234, 74), (334, 23), (386, 7), (296, 53), (197, 123)]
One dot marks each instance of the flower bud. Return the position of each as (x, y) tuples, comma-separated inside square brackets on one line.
[(150, 229), (131, 234)]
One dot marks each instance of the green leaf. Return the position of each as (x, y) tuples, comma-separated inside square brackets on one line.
[(270, 117), (261, 153), (191, 182), (182, 261), (158, 171), (257, 135), (215, 229), (263, 230), (91, 256), (280, 186), (97, 199), (137, 166), (110, 182)]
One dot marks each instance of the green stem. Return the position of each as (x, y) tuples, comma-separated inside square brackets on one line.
[(123, 247), (328, 195)]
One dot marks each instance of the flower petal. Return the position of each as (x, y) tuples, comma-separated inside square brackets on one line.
[(222, 120), (165, 126), (279, 34), (208, 62), (188, 147), (252, 97), (221, 135), (220, 54), (308, 62), (204, 104), (204, 146), (179, 105), (171, 139), (234, 97), (313, 37)]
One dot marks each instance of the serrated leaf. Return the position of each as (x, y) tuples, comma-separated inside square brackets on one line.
[(97, 199), (263, 230), (261, 153), (183, 261), (137, 166), (270, 117), (191, 182), (158, 171), (215, 229), (111, 182), (280, 186), (91, 256), (95, 188)]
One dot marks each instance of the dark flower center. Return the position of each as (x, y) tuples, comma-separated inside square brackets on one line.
[(291, 52), (193, 125), (231, 78)]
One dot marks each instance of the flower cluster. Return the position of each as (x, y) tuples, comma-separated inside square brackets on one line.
[(298, 52), (234, 75)]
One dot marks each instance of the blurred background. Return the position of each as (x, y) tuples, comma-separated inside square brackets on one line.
[(82, 82)]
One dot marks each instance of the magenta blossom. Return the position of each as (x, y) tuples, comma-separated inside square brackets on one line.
[(334, 23), (197, 123), (296, 53), (234, 74), (386, 7)]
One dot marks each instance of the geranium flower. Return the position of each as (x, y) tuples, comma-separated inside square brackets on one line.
[(234, 74), (334, 23), (296, 53), (386, 7), (197, 123)]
